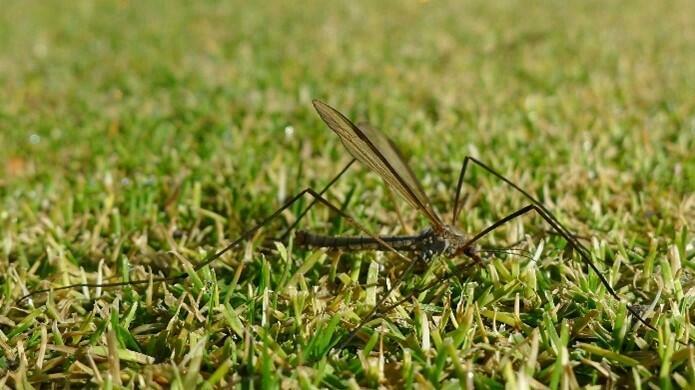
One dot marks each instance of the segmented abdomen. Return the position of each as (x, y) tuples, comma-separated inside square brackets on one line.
[(404, 243)]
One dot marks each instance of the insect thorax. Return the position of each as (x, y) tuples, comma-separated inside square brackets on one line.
[(433, 243)]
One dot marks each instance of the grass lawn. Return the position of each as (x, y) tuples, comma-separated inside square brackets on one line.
[(137, 138)]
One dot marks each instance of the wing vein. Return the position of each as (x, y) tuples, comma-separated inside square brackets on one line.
[(377, 152)]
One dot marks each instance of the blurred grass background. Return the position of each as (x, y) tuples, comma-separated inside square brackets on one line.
[(129, 129)]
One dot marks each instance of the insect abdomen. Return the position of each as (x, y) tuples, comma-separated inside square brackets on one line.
[(404, 243)]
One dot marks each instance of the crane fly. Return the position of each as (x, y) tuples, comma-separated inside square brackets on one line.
[(373, 149)]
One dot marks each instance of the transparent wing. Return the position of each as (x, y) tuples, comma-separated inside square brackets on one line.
[(376, 151)]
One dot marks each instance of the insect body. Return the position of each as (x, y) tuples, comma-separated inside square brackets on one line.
[(427, 244)]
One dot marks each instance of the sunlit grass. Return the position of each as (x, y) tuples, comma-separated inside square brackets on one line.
[(136, 139)]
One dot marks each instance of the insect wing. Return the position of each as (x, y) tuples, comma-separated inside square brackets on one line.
[(375, 150)]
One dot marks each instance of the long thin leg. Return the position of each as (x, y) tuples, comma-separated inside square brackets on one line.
[(519, 189), (244, 236), (314, 201), (563, 231), (459, 185)]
